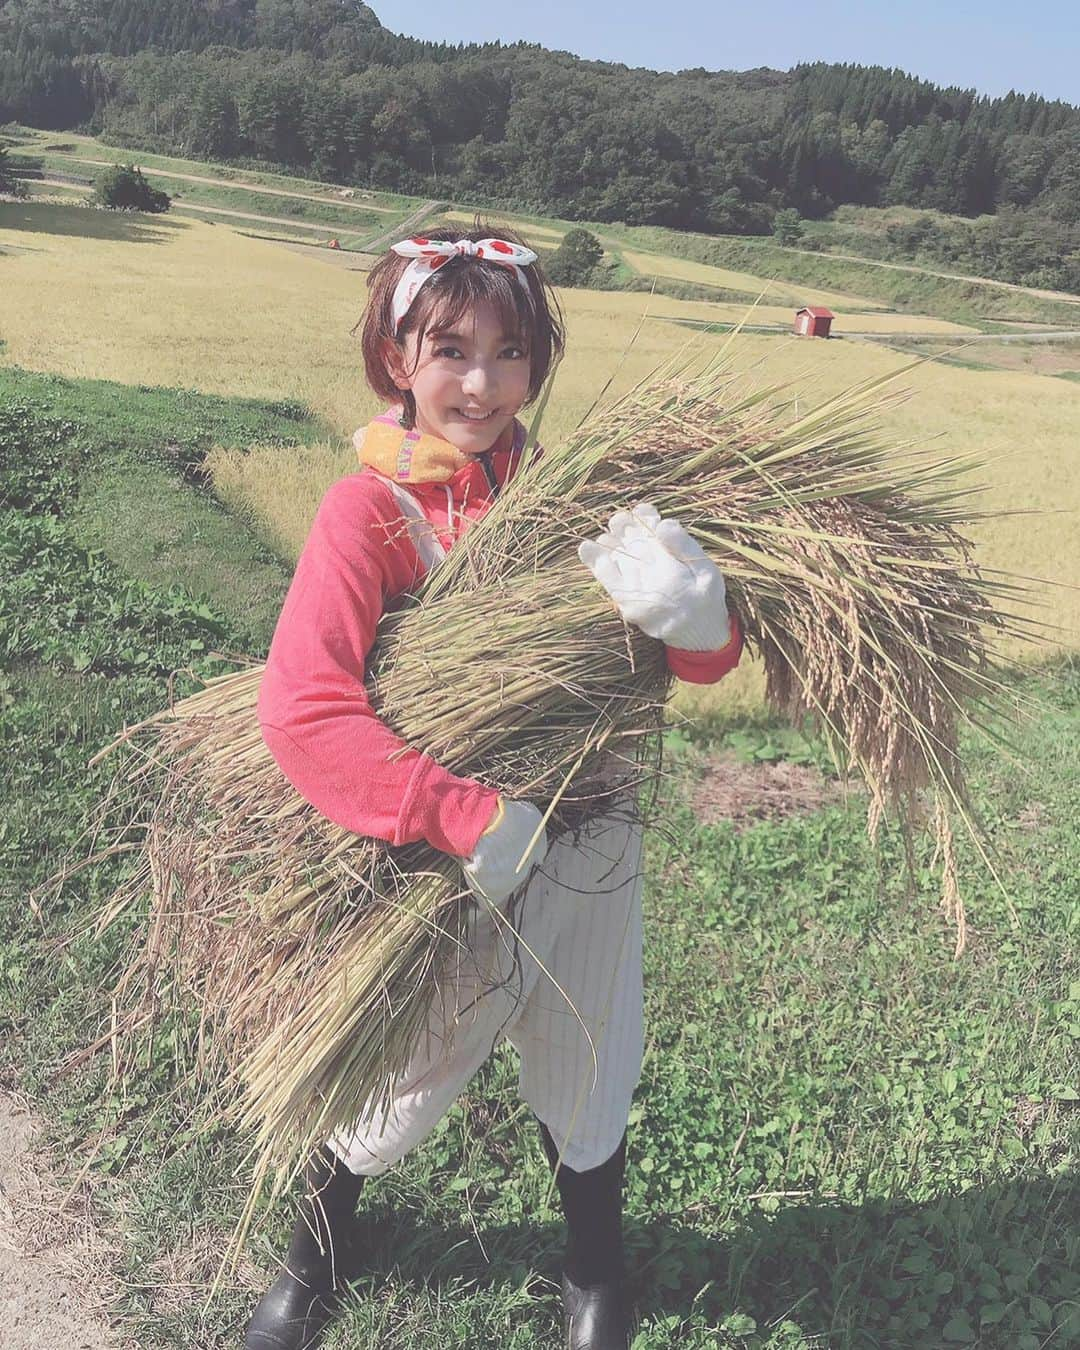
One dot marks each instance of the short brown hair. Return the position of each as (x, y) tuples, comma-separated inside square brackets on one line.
[(461, 285)]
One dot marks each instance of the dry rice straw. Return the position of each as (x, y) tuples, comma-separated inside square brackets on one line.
[(312, 953)]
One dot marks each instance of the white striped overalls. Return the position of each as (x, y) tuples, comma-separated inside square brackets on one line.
[(560, 979)]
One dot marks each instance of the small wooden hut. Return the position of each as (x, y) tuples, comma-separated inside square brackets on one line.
[(813, 321)]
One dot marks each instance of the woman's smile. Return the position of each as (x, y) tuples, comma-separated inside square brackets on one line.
[(482, 361)]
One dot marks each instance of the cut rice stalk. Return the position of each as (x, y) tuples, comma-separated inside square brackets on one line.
[(314, 953)]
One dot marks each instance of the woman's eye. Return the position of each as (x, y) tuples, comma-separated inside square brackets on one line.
[(514, 353), (452, 352)]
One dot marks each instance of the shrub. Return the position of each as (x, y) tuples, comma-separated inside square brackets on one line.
[(122, 187), (576, 259)]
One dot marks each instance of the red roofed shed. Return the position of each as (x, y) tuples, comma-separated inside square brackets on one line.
[(813, 321)]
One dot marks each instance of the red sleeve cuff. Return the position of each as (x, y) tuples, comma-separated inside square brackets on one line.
[(707, 667), (450, 813)]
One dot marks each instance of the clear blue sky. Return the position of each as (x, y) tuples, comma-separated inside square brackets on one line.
[(992, 46)]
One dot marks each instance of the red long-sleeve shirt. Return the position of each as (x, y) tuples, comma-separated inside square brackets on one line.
[(313, 708)]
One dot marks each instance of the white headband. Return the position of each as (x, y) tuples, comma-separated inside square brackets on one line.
[(428, 255)]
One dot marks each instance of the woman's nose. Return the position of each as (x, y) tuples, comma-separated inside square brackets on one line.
[(477, 379)]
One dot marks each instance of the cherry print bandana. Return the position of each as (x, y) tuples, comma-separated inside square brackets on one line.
[(428, 255)]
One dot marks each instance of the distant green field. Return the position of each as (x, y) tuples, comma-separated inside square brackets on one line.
[(908, 291), (67, 145), (325, 213)]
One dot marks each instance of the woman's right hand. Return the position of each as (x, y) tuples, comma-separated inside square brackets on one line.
[(503, 859)]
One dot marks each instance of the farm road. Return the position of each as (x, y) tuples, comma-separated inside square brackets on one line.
[(1067, 296), (402, 228), (203, 209), (248, 187), (42, 1256), (861, 335), (1042, 335)]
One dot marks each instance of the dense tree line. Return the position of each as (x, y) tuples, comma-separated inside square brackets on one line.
[(320, 85), (1011, 245)]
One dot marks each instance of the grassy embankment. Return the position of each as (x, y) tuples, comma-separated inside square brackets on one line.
[(915, 291), (840, 1134), (322, 217), (863, 232), (54, 147), (305, 210)]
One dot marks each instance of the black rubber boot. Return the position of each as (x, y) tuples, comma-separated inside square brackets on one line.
[(303, 1300), (594, 1299)]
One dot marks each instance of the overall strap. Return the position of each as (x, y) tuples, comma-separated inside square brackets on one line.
[(428, 546)]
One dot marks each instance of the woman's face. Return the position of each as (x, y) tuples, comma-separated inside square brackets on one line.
[(468, 384)]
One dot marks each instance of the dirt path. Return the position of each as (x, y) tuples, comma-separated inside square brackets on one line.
[(44, 1302), (1045, 335), (248, 187), (402, 229), (183, 205), (202, 208), (946, 276)]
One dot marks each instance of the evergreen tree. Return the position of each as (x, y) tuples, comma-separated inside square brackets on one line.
[(787, 227)]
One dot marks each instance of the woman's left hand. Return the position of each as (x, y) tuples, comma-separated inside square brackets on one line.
[(660, 579)]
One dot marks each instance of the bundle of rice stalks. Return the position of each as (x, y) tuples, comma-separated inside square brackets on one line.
[(313, 953)]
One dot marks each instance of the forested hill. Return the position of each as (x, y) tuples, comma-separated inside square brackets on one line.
[(322, 86)]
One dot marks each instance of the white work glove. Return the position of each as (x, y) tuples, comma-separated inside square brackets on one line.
[(493, 872), (660, 579)]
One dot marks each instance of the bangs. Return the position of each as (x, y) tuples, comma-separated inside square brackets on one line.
[(457, 291), (525, 307)]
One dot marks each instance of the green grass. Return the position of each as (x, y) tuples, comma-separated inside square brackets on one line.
[(121, 469), (907, 291), (54, 146), (328, 213), (61, 191), (842, 1137)]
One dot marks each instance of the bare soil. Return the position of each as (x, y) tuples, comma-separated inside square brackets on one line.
[(728, 788), (48, 1250)]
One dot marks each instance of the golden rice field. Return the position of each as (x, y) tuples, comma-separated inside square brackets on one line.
[(776, 292), (846, 322), (188, 303), (545, 233), (778, 297)]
